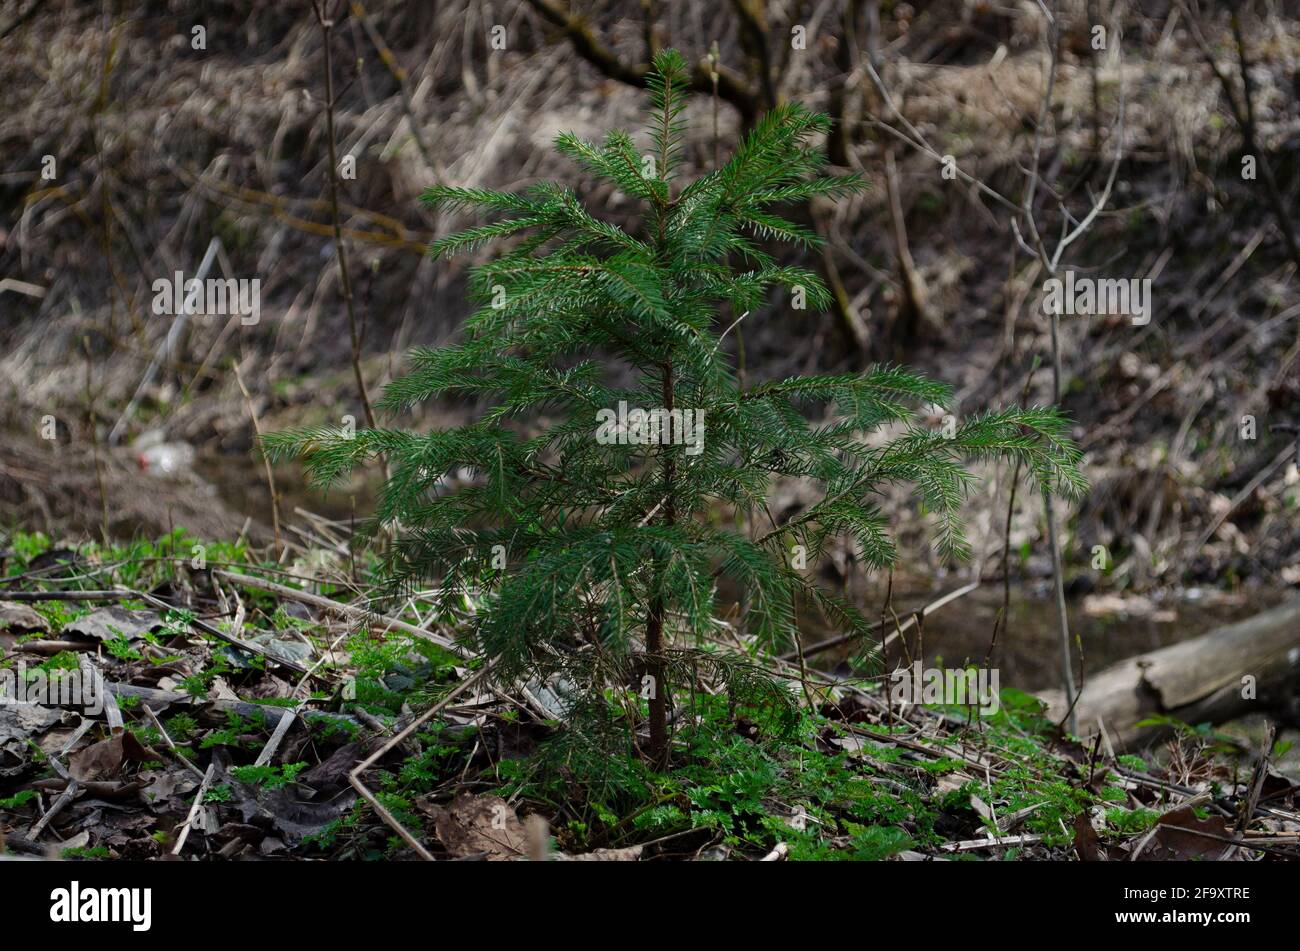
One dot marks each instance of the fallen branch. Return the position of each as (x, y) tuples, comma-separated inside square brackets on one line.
[(194, 809), (354, 777), (273, 744), (1001, 842), (348, 610), (152, 696), (162, 731), (126, 594), (907, 625)]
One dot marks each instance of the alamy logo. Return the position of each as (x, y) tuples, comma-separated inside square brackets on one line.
[(52, 688), (1098, 297), (242, 297), (75, 904), (948, 686), (651, 427)]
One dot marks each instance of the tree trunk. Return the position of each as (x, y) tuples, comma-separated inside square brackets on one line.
[(654, 637), (658, 697)]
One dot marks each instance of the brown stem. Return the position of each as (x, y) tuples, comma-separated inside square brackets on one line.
[(651, 41), (94, 444), (266, 462), (1243, 112), (654, 641), (837, 142), (399, 74), (1249, 131), (753, 37), (586, 45), (340, 250), (913, 311)]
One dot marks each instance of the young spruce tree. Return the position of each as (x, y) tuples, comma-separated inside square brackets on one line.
[(596, 549)]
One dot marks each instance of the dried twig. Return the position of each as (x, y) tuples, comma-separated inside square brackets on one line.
[(348, 610), (273, 744), (340, 249), (266, 461), (1000, 842), (170, 744), (194, 809), (354, 777)]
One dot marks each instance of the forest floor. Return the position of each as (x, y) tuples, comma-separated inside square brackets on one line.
[(251, 707)]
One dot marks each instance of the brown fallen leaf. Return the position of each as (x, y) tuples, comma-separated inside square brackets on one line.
[(19, 619), (103, 760), (20, 725), (164, 789), (331, 774), (478, 825), (290, 813), (1278, 789), (951, 782), (109, 624), (1086, 840), (1175, 837)]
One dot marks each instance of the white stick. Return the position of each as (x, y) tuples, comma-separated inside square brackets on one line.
[(165, 349), (194, 809)]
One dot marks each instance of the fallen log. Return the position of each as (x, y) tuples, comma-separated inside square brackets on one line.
[(1252, 666)]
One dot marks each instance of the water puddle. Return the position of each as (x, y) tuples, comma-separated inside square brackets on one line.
[(1027, 648)]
